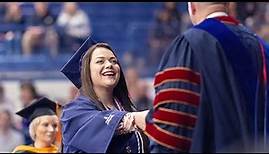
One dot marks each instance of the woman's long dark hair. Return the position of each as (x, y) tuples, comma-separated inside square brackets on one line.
[(120, 92)]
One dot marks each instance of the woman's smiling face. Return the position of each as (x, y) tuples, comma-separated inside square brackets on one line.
[(104, 67), (47, 128)]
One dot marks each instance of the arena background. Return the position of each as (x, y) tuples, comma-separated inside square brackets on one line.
[(138, 31)]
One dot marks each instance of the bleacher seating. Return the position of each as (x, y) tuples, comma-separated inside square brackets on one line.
[(122, 24)]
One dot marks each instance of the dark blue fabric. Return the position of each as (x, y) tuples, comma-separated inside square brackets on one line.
[(178, 55), (25, 131), (266, 54), (87, 129), (246, 76), (225, 116), (247, 79), (72, 68)]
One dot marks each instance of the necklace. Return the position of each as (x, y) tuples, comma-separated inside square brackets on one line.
[(117, 106)]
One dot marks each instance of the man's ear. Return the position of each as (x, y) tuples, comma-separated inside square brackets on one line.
[(193, 8)]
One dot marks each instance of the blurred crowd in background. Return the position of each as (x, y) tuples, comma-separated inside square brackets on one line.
[(60, 30)]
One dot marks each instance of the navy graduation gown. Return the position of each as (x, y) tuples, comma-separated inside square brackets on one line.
[(206, 102), (87, 129)]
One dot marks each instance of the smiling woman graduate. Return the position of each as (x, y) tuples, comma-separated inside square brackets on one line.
[(43, 126), (102, 119)]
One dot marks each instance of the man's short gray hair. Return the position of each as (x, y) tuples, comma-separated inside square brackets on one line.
[(214, 3)]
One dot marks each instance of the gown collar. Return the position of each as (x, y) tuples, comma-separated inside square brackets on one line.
[(223, 17)]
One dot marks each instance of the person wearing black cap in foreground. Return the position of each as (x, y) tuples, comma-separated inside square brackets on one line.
[(43, 126), (102, 119)]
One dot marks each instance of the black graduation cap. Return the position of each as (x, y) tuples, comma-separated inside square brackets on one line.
[(72, 68), (40, 107)]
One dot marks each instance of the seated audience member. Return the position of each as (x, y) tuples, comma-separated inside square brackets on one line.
[(73, 26), (40, 37), (15, 21), (9, 137), (13, 14)]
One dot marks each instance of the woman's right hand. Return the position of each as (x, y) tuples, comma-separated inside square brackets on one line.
[(131, 121), (127, 124)]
